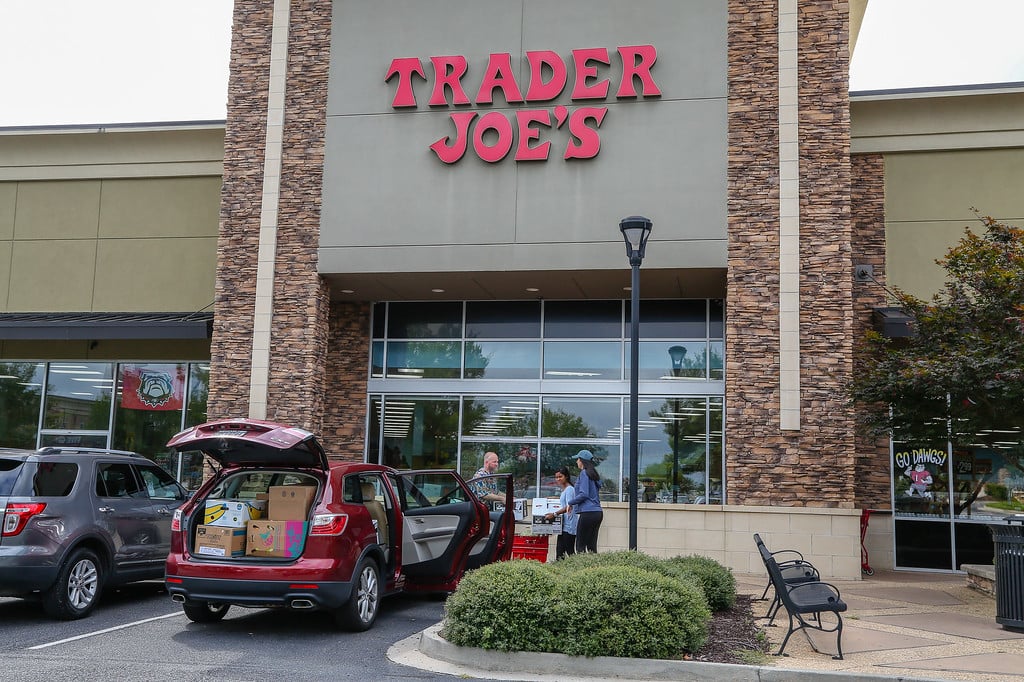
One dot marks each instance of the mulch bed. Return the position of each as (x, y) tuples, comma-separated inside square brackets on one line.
[(733, 632)]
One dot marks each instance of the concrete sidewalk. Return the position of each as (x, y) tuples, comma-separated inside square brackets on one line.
[(900, 625)]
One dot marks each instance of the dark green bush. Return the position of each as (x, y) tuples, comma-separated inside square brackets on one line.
[(612, 604), (997, 491), (622, 611), (503, 606), (717, 581)]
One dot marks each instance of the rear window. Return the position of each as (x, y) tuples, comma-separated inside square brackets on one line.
[(49, 479), (9, 470)]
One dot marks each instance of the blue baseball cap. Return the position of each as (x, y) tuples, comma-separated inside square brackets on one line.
[(585, 455)]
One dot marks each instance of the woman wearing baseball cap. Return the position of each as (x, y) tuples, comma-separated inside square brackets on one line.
[(587, 503)]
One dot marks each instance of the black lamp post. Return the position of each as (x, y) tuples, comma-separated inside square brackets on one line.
[(635, 231), (677, 353)]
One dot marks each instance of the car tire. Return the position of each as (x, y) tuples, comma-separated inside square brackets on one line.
[(77, 589), (362, 606), (205, 612)]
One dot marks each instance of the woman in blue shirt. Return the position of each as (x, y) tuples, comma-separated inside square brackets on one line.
[(566, 542), (587, 503)]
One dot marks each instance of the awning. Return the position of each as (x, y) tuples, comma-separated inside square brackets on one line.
[(102, 326)]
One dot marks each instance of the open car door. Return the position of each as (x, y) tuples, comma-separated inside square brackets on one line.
[(497, 544), (442, 522)]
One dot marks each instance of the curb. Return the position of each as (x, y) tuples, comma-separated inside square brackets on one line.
[(433, 646)]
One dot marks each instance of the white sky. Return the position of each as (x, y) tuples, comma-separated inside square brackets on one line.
[(120, 61)]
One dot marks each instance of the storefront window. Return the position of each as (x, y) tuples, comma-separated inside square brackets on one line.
[(582, 360), (82, 408), (497, 416), (424, 359), (78, 396), (575, 352), (502, 359), (21, 390), (418, 432)]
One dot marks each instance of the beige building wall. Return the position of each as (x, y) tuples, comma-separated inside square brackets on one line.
[(109, 220), (946, 154)]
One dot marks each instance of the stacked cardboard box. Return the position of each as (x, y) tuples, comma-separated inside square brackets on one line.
[(283, 533), (233, 513), (220, 541)]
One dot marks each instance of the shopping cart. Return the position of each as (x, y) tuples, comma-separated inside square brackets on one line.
[(865, 568)]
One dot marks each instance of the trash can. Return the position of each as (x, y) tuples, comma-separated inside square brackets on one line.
[(1009, 558)]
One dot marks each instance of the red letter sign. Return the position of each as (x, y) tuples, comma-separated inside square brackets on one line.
[(448, 71), (499, 75), (405, 68), (580, 60), (641, 69), (539, 90)]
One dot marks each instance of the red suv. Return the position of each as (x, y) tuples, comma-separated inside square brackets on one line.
[(333, 536)]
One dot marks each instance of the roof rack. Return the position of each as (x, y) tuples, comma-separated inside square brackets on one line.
[(56, 450)]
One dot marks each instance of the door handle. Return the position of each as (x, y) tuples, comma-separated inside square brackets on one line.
[(106, 510), (164, 511)]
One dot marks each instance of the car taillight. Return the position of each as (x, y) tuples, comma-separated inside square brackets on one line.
[(17, 515), (176, 521), (328, 524)]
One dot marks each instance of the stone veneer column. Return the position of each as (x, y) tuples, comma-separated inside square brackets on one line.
[(767, 465), (298, 339), (344, 432), (868, 205)]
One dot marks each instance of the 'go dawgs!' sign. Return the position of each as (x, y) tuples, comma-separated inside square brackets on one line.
[(471, 127)]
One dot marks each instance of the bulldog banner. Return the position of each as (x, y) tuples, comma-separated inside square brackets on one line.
[(152, 387)]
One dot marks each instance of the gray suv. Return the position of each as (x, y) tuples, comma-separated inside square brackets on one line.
[(76, 520)]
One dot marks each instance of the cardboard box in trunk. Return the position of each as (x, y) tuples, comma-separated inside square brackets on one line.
[(290, 502), (220, 541), (276, 538), (232, 513)]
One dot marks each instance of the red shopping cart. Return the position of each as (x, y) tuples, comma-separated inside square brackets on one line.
[(865, 568)]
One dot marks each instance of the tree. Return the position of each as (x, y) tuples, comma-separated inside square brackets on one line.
[(961, 376)]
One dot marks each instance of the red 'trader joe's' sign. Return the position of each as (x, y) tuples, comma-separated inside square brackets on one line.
[(583, 122)]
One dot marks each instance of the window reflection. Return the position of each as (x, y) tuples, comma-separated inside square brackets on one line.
[(424, 359), (488, 417), (78, 396), (582, 360), (420, 432), (21, 390), (502, 359), (581, 417)]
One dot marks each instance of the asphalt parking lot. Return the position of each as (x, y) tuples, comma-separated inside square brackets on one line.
[(138, 634)]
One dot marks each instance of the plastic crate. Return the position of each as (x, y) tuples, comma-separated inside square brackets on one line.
[(531, 547)]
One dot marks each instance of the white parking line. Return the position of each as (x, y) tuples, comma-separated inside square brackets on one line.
[(101, 632)]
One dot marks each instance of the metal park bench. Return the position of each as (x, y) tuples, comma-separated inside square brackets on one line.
[(810, 598), (795, 571)]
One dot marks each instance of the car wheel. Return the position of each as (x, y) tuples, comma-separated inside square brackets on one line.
[(205, 612), (361, 609), (78, 586)]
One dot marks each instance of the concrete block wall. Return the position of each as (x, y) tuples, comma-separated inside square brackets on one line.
[(828, 538)]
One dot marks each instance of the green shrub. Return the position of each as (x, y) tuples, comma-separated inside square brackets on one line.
[(997, 491), (717, 581), (503, 606), (613, 604), (622, 611)]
